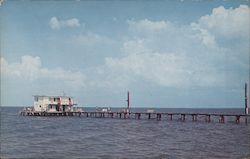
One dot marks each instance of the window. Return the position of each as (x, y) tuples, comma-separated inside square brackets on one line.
[(36, 98)]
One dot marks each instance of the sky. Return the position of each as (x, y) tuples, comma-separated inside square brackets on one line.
[(169, 54)]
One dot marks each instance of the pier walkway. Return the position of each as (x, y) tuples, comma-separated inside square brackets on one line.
[(221, 118)]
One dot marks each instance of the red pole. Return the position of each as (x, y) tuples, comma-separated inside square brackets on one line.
[(128, 108), (246, 102)]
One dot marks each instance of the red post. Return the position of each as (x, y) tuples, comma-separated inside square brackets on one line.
[(128, 107), (246, 102)]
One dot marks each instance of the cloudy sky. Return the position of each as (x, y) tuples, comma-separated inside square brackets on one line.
[(166, 53)]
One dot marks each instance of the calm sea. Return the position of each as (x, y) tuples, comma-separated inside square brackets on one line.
[(79, 137)]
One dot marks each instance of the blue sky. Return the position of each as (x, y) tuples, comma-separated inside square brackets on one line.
[(166, 53)]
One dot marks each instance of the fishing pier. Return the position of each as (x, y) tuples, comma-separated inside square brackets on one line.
[(149, 115), (221, 118)]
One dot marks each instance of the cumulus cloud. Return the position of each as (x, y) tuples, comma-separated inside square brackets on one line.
[(30, 68), (204, 36), (135, 46), (228, 23), (181, 56), (149, 26), (163, 69), (56, 23), (158, 52)]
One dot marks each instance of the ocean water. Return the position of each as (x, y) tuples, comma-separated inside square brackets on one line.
[(79, 137)]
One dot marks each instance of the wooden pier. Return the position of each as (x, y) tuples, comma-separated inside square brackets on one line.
[(127, 114), (221, 118)]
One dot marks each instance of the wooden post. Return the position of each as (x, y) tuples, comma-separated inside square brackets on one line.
[(158, 116), (193, 117), (183, 117), (222, 119), (138, 115), (237, 120), (208, 119)]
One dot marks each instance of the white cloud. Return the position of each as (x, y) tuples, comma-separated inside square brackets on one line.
[(169, 55), (1, 1), (146, 25), (229, 23), (55, 23), (159, 52), (165, 30), (205, 36), (135, 46), (164, 69), (30, 68)]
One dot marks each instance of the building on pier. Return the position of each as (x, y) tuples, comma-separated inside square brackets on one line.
[(53, 103)]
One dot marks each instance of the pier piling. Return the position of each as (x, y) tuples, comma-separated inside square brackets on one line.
[(222, 119), (208, 118), (149, 115), (183, 117), (237, 119), (171, 116)]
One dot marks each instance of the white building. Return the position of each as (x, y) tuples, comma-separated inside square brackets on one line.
[(53, 103)]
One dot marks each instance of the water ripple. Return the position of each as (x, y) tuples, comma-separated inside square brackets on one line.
[(74, 137)]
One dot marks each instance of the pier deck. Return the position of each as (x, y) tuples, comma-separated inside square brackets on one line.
[(207, 117)]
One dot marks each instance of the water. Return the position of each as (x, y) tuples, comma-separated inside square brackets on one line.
[(78, 137)]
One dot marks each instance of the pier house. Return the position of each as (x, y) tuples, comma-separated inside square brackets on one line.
[(53, 103)]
